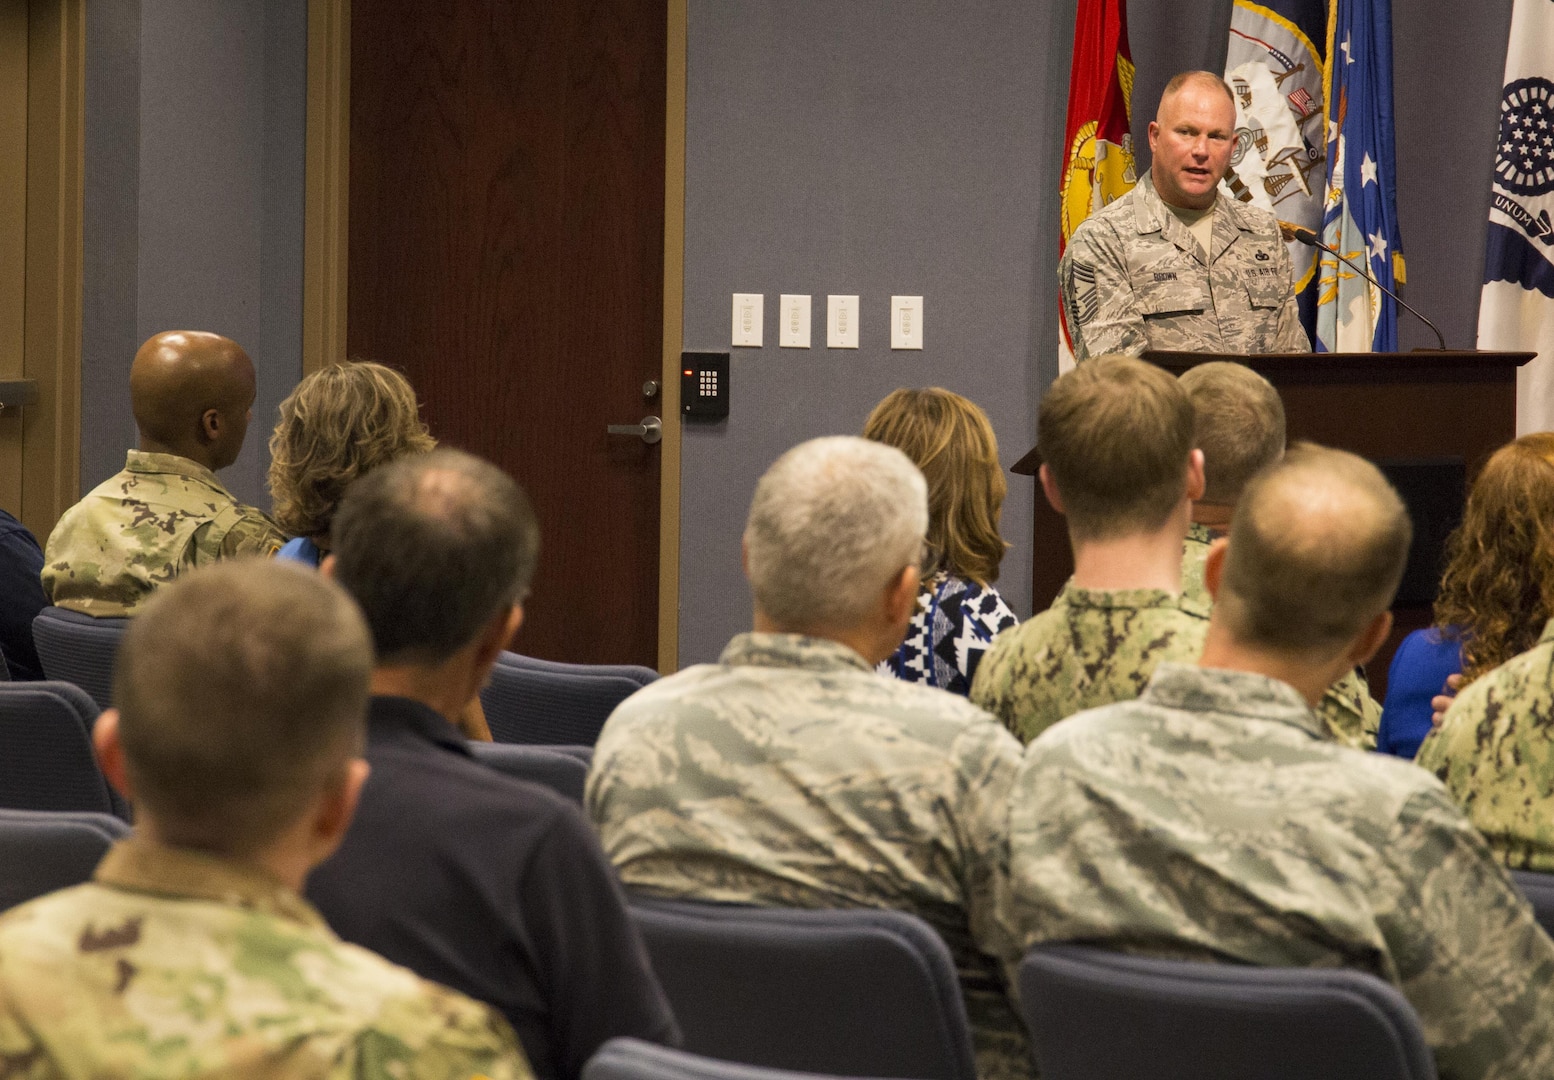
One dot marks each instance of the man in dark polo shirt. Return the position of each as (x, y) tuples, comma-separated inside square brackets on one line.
[(470, 878)]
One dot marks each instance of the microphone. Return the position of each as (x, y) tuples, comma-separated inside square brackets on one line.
[(1310, 239)]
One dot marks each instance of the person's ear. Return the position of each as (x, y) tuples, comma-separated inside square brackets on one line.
[(335, 808), (1370, 640), (110, 751), (901, 595), (1214, 566), (1195, 481), (496, 636), (210, 425), (326, 566), (744, 555), (1049, 487), (1154, 136)]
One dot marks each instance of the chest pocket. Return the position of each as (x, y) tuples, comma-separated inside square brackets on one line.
[(1177, 295), (1265, 287)]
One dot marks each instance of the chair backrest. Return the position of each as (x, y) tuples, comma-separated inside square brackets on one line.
[(562, 773), (624, 1058), (526, 705), (1538, 888), (858, 992), (41, 851), (79, 649), (46, 757), (1096, 1015), (635, 672)]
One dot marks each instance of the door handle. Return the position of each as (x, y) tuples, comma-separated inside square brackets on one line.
[(651, 430)]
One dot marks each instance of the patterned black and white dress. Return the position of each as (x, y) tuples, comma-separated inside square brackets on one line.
[(955, 623)]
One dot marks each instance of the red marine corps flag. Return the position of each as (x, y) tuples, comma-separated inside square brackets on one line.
[(1098, 138)]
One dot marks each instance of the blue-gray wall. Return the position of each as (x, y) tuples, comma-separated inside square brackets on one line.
[(195, 129)]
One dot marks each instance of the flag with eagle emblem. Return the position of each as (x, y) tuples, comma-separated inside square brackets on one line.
[(1098, 136)]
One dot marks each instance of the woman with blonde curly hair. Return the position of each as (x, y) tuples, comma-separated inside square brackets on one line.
[(338, 423), (1496, 595), (958, 611)]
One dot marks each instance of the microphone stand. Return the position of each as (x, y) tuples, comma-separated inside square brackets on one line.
[(1310, 239)]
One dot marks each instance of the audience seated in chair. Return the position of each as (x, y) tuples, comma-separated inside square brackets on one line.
[(1116, 441), (337, 424), (1495, 603), (166, 513), (958, 611), (242, 690), (790, 773), (1214, 818), (21, 598), (1495, 746), (1239, 425), (490, 885)]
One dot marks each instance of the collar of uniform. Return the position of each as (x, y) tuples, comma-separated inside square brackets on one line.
[(1132, 599), (791, 651), (391, 715), (1236, 693), (140, 461), (140, 865), (1150, 213)]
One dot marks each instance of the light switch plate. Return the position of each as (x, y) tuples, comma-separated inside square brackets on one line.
[(793, 331), (748, 309), (841, 322), (906, 322)]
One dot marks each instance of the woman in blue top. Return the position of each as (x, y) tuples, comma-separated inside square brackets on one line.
[(958, 610), (337, 424), (1495, 595)]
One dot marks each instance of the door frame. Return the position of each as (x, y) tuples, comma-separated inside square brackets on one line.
[(325, 250), (43, 142)]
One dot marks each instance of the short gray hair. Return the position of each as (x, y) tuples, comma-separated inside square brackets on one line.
[(832, 522)]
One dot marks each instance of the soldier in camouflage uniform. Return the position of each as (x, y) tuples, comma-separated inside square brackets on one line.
[(1238, 423), (193, 395), (190, 953), (1495, 752), (792, 774), (1116, 441), (1214, 819), (1175, 264)]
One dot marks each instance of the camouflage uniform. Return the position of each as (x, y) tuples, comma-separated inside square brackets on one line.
[(177, 964), (1495, 751), (1091, 647), (790, 774), (162, 515), (1133, 279), (1212, 820), (1352, 716)]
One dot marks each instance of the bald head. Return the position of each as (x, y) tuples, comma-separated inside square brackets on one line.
[(191, 393), (1317, 548)]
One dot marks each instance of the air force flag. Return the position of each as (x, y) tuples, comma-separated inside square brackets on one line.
[(1516, 310)]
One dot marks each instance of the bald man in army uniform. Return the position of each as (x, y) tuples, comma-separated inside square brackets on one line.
[(1175, 263), (1215, 819), (191, 952), (792, 774), (192, 394)]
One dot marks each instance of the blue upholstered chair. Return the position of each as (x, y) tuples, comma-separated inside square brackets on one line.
[(858, 992), (563, 773), (633, 1059), (42, 850), (79, 649), (1539, 888), (1094, 1014), (46, 756), (525, 703)]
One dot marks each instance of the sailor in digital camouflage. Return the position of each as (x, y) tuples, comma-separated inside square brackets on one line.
[(1118, 462), (1175, 263), (1495, 752), (1238, 423), (790, 773), (1214, 819), (191, 952), (166, 513)]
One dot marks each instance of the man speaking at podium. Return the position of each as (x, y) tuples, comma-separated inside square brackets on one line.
[(1175, 264)]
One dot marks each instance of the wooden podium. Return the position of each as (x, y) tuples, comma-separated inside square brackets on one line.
[(1426, 414)]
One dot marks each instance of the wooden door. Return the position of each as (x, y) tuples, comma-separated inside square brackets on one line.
[(506, 252)]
